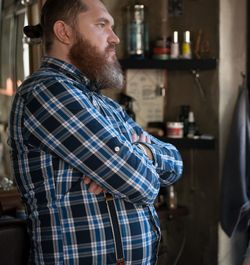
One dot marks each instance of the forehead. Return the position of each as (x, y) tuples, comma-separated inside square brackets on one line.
[(96, 11)]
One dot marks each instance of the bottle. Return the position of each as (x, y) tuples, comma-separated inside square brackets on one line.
[(137, 32), (183, 117), (162, 46), (129, 110), (175, 46), (191, 125), (127, 103), (161, 50), (172, 198), (186, 46)]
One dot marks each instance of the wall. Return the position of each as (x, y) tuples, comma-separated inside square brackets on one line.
[(232, 63)]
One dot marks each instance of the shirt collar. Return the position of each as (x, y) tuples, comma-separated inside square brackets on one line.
[(69, 70)]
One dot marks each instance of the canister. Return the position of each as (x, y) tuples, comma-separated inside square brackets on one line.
[(175, 129), (137, 33)]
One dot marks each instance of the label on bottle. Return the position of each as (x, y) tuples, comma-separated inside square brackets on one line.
[(136, 38), (174, 50), (186, 50)]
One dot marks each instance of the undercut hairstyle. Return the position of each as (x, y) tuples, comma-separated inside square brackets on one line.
[(54, 10)]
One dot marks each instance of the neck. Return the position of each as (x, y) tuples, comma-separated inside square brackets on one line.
[(60, 53)]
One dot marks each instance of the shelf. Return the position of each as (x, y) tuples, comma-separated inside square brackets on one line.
[(187, 143), (179, 64)]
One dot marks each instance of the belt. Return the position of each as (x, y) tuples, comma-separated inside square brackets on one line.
[(115, 229)]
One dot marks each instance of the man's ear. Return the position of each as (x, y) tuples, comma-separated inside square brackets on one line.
[(63, 32)]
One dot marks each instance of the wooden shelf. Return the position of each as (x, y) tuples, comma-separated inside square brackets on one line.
[(187, 143), (178, 64)]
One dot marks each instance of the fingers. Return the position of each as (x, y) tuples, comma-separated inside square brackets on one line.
[(93, 187), (143, 138), (148, 140), (86, 180), (135, 137)]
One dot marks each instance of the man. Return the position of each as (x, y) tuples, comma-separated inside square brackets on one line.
[(74, 150)]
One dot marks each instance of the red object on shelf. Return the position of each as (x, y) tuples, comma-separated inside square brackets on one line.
[(161, 50)]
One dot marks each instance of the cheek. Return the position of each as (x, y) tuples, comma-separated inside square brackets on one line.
[(96, 38)]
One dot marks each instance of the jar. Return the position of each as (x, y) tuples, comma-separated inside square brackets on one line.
[(175, 129), (137, 32)]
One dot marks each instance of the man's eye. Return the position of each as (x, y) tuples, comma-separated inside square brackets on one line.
[(101, 25)]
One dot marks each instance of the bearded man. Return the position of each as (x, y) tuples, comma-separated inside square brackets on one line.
[(87, 173)]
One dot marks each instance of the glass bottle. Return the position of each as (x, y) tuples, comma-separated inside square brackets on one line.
[(183, 117), (127, 103), (172, 198), (137, 31), (186, 46), (175, 46), (191, 125)]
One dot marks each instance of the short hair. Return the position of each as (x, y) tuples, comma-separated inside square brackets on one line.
[(54, 10)]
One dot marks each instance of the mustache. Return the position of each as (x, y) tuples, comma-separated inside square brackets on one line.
[(111, 47)]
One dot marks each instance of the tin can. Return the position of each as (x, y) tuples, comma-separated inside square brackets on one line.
[(175, 129)]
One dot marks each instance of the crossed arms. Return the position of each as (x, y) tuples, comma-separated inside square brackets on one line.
[(64, 120)]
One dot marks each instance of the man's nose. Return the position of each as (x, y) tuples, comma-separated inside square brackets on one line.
[(113, 38)]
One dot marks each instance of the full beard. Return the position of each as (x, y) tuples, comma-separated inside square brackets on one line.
[(95, 65)]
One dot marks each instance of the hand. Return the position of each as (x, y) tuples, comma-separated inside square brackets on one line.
[(142, 138), (93, 187)]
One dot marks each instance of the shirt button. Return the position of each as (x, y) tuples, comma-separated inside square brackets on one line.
[(117, 149)]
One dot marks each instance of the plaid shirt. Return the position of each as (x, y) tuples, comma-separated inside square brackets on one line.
[(61, 130)]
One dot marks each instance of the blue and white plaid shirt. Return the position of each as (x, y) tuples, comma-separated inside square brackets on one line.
[(61, 130)]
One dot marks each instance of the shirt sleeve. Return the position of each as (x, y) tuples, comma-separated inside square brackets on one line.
[(167, 159), (62, 119)]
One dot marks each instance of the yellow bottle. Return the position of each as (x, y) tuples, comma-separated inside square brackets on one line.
[(186, 46)]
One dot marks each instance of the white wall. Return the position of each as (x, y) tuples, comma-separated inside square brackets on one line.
[(232, 62)]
